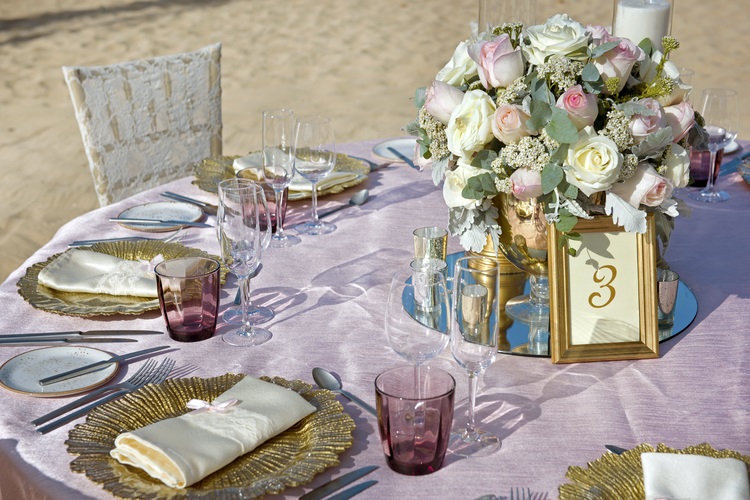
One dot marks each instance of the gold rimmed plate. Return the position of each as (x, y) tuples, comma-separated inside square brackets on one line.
[(211, 171), (621, 476), (21, 374), (93, 304), (161, 210), (292, 458)]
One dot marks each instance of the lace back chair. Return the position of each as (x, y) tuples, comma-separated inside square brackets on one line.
[(147, 122)]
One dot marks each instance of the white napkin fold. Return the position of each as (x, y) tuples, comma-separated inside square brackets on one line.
[(298, 183), (79, 270), (183, 450), (693, 477)]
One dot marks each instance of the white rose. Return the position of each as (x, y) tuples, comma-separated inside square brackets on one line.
[(647, 69), (593, 163), (455, 182), (460, 68), (470, 126), (560, 35), (676, 166)]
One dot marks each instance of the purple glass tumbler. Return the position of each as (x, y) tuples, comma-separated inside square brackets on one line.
[(415, 415), (189, 297)]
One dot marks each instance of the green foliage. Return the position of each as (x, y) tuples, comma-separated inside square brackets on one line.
[(541, 92), (484, 159), (601, 50), (552, 175), (654, 144), (479, 186), (419, 97), (541, 113), (566, 222), (560, 128)]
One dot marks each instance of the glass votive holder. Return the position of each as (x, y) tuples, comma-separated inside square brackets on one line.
[(668, 282), (700, 162), (255, 174), (430, 242), (415, 415), (188, 290)]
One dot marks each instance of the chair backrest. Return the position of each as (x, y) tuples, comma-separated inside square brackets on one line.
[(147, 122)]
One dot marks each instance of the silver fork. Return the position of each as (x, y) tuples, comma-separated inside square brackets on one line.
[(157, 377), (176, 236), (137, 380)]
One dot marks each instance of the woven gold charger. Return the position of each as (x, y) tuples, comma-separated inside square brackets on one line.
[(211, 171), (621, 476), (290, 459), (92, 304)]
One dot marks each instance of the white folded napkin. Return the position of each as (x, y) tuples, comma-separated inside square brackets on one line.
[(183, 450), (79, 270), (299, 183), (693, 477)]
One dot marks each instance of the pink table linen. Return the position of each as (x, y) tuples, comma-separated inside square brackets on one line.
[(329, 295)]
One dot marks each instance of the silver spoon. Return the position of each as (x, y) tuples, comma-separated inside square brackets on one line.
[(359, 198), (326, 380)]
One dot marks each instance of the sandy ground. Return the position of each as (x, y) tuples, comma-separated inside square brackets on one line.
[(358, 61)]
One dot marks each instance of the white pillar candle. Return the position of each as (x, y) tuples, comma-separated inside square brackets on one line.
[(639, 19)]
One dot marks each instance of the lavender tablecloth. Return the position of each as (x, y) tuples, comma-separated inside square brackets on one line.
[(329, 295)]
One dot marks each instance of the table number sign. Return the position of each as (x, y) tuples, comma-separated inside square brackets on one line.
[(603, 302)]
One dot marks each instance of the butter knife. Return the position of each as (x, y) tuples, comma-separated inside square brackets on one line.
[(159, 222), (64, 340), (92, 367), (403, 157), (354, 490), (206, 207), (94, 333), (615, 449), (338, 483)]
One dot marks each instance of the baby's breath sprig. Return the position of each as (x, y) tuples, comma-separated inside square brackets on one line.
[(513, 30)]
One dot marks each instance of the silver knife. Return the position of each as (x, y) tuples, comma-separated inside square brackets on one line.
[(615, 449), (65, 340), (159, 222), (92, 367), (403, 157), (354, 490), (338, 483), (86, 243), (206, 207), (94, 333)]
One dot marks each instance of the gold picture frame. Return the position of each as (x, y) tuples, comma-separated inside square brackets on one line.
[(595, 293)]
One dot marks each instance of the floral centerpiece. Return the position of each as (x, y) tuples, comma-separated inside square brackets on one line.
[(566, 114)]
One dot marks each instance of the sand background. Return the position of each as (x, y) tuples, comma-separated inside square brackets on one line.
[(358, 61)]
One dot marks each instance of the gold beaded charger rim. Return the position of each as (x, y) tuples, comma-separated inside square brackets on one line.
[(94, 304), (621, 476), (211, 171), (292, 458)]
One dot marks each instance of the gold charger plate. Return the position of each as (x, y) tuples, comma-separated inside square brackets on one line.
[(211, 171), (290, 459), (92, 304), (621, 476)]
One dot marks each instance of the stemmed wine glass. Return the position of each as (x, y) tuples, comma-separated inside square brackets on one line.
[(417, 312), (278, 166), (240, 239), (720, 112), (315, 150), (474, 332)]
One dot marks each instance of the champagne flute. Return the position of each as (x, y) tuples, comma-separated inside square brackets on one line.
[(474, 333), (256, 315), (278, 166), (240, 239), (721, 115), (417, 311), (315, 151)]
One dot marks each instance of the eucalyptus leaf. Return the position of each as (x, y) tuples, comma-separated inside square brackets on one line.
[(601, 49), (566, 222), (541, 113), (551, 177), (560, 154), (646, 46), (594, 87), (484, 159), (419, 97), (560, 128), (654, 144), (413, 128), (590, 73), (540, 92)]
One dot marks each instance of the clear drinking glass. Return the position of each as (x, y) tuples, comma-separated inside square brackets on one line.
[(315, 150), (278, 166), (241, 242), (721, 115), (474, 333)]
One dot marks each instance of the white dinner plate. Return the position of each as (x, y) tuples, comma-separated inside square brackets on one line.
[(161, 210), (731, 148), (404, 145), (22, 373)]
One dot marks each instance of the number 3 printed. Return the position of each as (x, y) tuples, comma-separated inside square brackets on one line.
[(600, 276)]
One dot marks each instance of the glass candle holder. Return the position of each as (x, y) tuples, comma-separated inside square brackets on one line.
[(639, 19)]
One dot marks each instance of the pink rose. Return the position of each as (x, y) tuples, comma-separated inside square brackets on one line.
[(582, 108), (526, 184), (509, 123), (599, 33), (441, 99), (645, 187), (642, 125), (619, 61), (498, 63), (681, 118), (420, 161)]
